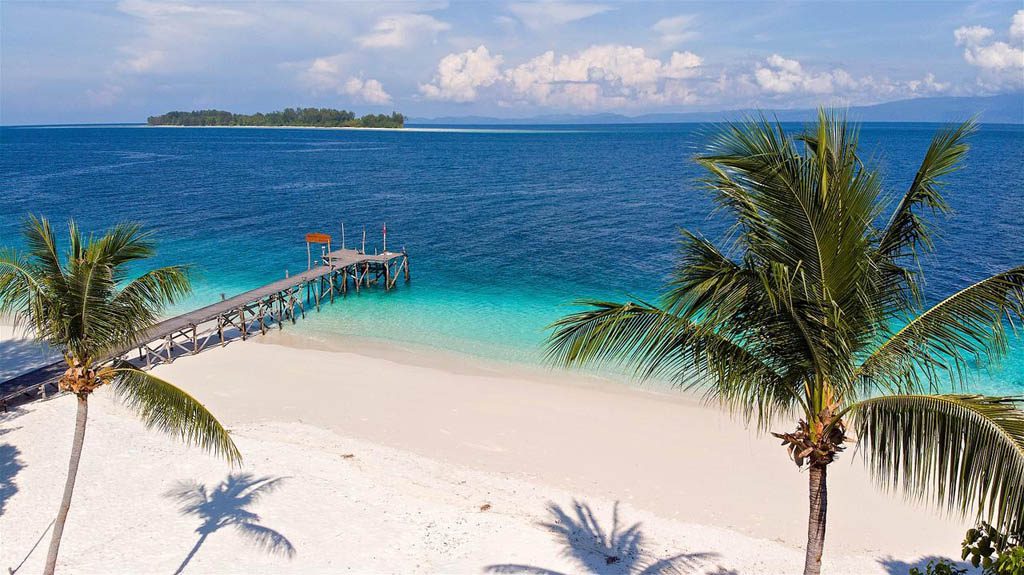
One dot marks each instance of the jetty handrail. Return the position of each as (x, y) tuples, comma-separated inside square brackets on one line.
[(273, 303)]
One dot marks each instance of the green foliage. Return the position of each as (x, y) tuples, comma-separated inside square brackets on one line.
[(940, 567), (808, 306), (950, 446), (1010, 562), (998, 553), (84, 303), (161, 405), (305, 117)]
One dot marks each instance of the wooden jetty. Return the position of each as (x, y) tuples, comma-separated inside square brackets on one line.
[(334, 274)]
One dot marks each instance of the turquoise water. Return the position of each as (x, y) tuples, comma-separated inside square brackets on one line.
[(504, 227)]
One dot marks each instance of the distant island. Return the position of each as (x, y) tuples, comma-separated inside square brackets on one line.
[(1001, 109), (294, 117)]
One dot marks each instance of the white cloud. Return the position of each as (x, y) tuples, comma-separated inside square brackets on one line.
[(328, 74), (538, 15), (1000, 62), (325, 74), (1017, 25), (399, 30), (928, 84), (173, 33), (676, 29), (997, 56), (160, 9), (368, 91), (459, 75), (779, 76), (783, 76), (598, 77), (969, 35)]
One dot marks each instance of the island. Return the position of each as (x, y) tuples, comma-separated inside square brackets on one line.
[(291, 117)]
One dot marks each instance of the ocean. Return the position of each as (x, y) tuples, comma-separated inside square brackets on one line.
[(504, 227)]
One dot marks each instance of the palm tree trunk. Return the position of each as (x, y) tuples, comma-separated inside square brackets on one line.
[(816, 519), (69, 486)]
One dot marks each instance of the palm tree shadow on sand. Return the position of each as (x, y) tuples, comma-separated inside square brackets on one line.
[(226, 505), (599, 552), (10, 465)]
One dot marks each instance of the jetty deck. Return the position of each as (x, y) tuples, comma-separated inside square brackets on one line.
[(239, 317)]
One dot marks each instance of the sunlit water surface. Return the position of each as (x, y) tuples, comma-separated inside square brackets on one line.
[(504, 227)]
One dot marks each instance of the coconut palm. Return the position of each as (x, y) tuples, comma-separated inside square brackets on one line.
[(811, 309), (85, 305)]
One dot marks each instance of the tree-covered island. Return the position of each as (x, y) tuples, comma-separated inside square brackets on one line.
[(298, 117)]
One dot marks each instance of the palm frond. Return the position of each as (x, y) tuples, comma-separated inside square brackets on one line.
[(19, 286), (966, 452), (942, 345), (141, 300), (907, 233), (91, 328), (42, 247), (121, 246), (170, 409), (656, 344), (803, 221)]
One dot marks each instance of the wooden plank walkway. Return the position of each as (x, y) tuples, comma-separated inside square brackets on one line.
[(236, 317)]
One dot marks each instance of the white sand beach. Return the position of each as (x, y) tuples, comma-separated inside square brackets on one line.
[(392, 461)]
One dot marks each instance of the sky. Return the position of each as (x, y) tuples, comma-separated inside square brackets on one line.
[(82, 61)]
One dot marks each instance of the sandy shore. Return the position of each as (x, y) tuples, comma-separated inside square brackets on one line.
[(391, 461)]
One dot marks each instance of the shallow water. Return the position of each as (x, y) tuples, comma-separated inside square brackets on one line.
[(504, 227)]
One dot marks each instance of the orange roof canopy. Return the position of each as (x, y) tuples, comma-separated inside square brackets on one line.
[(318, 238)]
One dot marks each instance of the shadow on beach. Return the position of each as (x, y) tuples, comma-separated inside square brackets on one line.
[(227, 505), (10, 465), (600, 551), (23, 355), (897, 567)]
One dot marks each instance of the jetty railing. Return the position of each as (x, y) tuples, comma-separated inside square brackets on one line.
[(239, 317)]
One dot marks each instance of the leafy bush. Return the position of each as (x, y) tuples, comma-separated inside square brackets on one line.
[(995, 552), (940, 567)]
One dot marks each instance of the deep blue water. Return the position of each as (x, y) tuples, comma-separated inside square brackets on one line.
[(504, 227)]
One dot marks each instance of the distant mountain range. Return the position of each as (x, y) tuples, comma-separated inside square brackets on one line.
[(1002, 109)]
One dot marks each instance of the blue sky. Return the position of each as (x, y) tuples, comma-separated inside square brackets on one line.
[(122, 61)]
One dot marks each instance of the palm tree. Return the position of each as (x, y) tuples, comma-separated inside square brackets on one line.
[(86, 306), (809, 308)]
